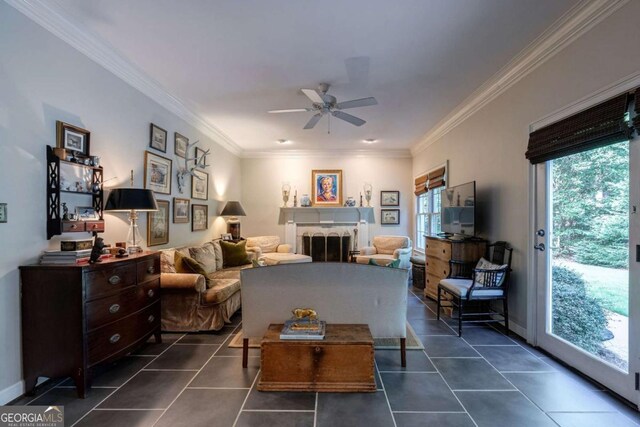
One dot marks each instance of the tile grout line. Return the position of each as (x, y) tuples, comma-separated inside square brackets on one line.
[(245, 399), (124, 383), (315, 412), (384, 391)]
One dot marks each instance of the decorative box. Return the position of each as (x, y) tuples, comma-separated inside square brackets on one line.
[(76, 245)]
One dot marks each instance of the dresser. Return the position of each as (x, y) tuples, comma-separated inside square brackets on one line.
[(76, 317), (439, 251)]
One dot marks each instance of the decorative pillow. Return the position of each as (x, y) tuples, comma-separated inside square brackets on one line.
[(482, 278), (392, 264), (218, 251), (234, 254), (167, 260), (206, 257), (257, 263), (184, 264), (265, 243)]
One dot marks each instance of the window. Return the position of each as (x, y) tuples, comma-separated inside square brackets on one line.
[(427, 215)]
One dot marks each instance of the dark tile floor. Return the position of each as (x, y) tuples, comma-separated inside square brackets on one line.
[(481, 379)]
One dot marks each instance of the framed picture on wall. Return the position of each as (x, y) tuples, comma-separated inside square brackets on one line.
[(199, 217), (180, 146), (157, 173), (181, 209), (72, 138), (158, 225), (200, 185), (390, 216), (158, 138), (326, 187), (389, 198)]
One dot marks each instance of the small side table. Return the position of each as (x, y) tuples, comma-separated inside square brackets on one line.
[(353, 255)]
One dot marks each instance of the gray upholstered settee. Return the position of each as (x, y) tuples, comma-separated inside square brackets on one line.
[(339, 292), (188, 303)]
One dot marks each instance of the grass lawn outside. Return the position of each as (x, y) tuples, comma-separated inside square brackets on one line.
[(610, 286)]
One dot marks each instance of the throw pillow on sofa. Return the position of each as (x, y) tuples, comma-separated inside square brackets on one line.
[(234, 254), (206, 257), (184, 264)]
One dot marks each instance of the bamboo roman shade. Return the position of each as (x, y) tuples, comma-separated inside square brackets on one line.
[(429, 181), (601, 125)]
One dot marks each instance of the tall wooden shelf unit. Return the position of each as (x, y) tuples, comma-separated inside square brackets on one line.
[(439, 251)]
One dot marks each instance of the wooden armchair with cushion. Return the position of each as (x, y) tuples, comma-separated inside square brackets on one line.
[(485, 281)]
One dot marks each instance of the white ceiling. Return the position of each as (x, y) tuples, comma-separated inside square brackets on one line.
[(232, 61)]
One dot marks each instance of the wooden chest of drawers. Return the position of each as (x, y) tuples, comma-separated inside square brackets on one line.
[(438, 253), (75, 317), (342, 362)]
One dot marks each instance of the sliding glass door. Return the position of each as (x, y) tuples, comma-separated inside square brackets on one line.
[(587, 275)]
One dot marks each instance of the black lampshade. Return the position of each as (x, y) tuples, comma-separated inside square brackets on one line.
[(125, 199), (233, 209)]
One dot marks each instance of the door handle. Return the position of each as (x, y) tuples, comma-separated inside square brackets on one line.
[(540, 247)]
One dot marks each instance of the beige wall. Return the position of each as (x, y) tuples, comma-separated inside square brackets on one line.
[(262, 181), (489, 147), (42, 80)]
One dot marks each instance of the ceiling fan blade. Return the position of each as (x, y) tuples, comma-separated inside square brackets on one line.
[(313, 96), (312, 122), (291, 110), (362, 102), (348, 118)]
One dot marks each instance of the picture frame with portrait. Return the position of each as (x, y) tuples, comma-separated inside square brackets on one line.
[(181, 208), (389, 198), (326, 187), (200, 185), (157, 173), (73, 138), (180, 146), (390, 216), (158, 224), (158, 138), (199, 217)]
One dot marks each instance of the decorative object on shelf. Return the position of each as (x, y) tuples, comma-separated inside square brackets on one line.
[(158, 224), (295, 199), (132, 200), (75, 178), (85, 213), (360, 199), (226, 237), (199, 217), (198, 160), (389, 198), (157, 173), (76, 245), (326, 187), (199, 185), (158, 138), (286, 191), (72, 138), (305, 201), (3, 212), (350, 202), (390, 216), (181, 145), (96, 251), (65, 212), (95, 161), (181, 209), (233, 210), (368, 189), (60, 153)]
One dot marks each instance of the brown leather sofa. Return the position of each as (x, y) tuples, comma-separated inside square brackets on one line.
[(188, 304)]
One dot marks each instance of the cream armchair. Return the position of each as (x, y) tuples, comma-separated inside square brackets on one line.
[(386, 249), (269, 250)]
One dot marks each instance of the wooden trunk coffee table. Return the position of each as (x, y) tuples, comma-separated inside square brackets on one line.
[(342, 362)]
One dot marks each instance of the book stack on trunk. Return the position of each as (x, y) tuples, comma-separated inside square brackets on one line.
[(303, 330), (65, 257)]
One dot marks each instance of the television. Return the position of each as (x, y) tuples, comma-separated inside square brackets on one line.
[(458, 210)]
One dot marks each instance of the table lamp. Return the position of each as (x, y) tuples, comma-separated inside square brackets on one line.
[(233, 210), (132, 200)]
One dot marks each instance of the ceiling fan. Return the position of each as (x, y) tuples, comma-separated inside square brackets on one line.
[(324, 103)]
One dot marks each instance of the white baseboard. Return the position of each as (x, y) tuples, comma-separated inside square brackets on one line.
[(12, 392), (518, 329)]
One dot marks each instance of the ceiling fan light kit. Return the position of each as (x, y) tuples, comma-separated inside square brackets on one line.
[(324, 103)]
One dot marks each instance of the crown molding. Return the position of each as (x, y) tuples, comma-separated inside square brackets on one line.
[(573, 24), (48, 15), (300, 154)]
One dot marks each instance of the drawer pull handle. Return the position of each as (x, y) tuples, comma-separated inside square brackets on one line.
[(318, 349), (151, 318), (74, 226), (114, 338), (151, 270), (115, 279), (114, 308), (151, 293)]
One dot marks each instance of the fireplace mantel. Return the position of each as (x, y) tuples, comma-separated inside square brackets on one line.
[(315, 215)]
